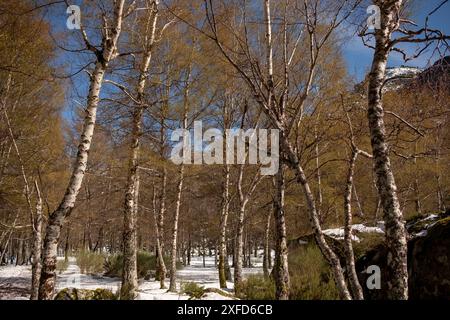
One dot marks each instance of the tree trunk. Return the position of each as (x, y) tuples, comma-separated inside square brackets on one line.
[(173, 262), (358, 203), (397, 280), (223, 228), (239, 249), (189, 250), (129, 274), (37, 244), (67, 244), (281, 271), (416, 184), (355, 287), (173, 258), (266, 258), (160, 267), (56, 219), (203, 251), (318, 174)]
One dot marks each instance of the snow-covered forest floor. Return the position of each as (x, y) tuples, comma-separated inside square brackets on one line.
[(15, 280)]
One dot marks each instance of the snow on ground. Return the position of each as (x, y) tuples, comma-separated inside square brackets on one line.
[(338, 233), (73, 278), (430, 217), (427, 222), (15, 280)]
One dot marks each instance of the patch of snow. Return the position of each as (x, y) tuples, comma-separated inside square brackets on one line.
[(15, 280), (422, 233), (430, 217), (338, 233), (215, 296)]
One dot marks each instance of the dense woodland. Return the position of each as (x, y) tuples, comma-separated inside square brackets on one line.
[(87, 115)]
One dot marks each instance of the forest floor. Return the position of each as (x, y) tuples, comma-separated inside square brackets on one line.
[(15, 281)]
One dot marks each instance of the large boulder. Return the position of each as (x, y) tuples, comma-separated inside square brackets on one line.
[(428, 261)]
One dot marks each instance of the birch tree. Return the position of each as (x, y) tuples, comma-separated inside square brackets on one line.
[(394, 28), (244, 195), (223, 257), (107, 53), (173, 256), (129, 274)]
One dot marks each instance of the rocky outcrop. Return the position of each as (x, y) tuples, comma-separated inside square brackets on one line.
[(428, 261), (428, 256)]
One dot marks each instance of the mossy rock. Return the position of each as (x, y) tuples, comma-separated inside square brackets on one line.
[(85, 294), (419, 223)]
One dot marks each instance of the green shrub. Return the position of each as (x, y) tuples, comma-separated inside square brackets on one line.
[(193, 290), (62, 265), (145, 264), (368, 242), (256, 287), (311, 277), (90, 262), (85, 294)]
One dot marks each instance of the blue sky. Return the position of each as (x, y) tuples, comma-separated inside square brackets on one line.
[(358, 57)]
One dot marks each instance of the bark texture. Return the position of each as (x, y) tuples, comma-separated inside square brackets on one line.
[(397, 281), (57, 218), (173, 256), (280, 267), (223, 257), (37, 246), (267, 251), (355, 286), (129, 273)]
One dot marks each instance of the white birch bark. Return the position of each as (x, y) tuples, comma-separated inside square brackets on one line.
[(223, 228), (57, 218), (281, 267), (159, 251), (223, 256), (37, 246), (173, 257), (266, 258), (244, 197), (355, 286), (397, 280), (129, 274)]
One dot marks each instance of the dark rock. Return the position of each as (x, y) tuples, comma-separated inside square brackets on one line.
[(428, 264)]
